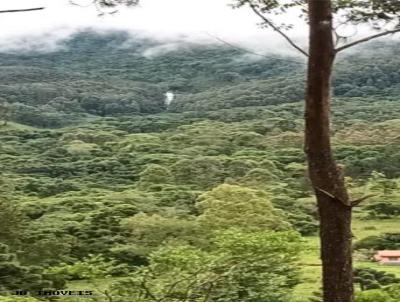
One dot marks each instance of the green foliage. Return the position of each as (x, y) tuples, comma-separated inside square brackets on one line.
[(373, 296), (383, 210), (54, 95), (234, 206), (203, 172), (93, 267), (127, 177), (317, 296), (386, 204), (17, 299), (394, 291), (368, 278), (5, 111), (239, 267), (149, 232), (155, 174), (386, 241), (12, 222), (15, 276)]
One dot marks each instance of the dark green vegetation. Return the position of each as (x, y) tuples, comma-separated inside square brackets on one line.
[(373, 279), (202, 199)]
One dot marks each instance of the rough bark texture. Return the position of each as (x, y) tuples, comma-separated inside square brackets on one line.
[(325, 175)]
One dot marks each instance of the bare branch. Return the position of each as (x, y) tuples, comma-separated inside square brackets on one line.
[(353, 203), (333, 197), (245, 50), (81, 5), (326, 193), (356, 202), (274, 27), (237, 47), (103, 6), (20, 10), (366, 39), (340, 37)]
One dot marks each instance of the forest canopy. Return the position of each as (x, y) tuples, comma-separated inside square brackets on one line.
[(104, 182)]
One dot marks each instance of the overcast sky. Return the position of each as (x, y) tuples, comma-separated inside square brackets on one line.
[(168, 20), (163, 19)]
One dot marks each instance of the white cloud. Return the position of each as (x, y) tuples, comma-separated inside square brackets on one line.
[(162, 19)]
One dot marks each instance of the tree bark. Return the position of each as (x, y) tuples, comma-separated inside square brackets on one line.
[(326, 177)]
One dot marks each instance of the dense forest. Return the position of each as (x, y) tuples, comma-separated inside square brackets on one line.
[(109, 186)]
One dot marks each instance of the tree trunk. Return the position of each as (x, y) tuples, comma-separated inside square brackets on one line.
[(326, 177)]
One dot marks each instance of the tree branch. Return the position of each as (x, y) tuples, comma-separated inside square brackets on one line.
[(356, 202), (242, 49), (333, 197), (245, 50), (274, 27), (20, 10), (366, 39), (353, 203)]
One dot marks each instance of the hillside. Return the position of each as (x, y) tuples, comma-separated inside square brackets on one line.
[(115, 74), (102, 179)]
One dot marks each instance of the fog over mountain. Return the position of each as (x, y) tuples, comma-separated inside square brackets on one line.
[(167, 21)]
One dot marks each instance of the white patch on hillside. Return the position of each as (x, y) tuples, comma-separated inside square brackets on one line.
[(169, 97)]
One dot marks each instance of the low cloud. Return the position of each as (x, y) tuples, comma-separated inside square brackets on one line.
[(170, 22)]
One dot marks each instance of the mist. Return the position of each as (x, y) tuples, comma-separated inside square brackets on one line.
[(169, 22)]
